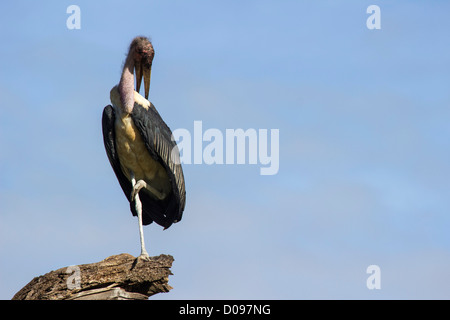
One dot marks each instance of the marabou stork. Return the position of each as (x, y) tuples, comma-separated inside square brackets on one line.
[(139, 146)]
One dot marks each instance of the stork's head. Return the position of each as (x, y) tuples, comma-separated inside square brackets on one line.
[(141, 50)]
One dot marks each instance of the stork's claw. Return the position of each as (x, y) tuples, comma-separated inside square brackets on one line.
[(144, 256), (136, 188)]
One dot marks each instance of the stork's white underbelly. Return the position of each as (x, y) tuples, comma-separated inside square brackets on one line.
[(134, 156)]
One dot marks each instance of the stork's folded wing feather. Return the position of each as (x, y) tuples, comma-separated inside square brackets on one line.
[(109, 139), (157, 137)]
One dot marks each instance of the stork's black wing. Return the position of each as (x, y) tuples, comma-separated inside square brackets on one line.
[(109, 139), (158, 140)]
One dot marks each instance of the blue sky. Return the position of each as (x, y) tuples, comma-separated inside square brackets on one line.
[(363, 117)]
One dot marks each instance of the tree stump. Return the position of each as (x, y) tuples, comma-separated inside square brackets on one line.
[(119, 277)]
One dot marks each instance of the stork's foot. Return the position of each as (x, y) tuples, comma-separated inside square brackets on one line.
[(142, 184), (137, 187), (143, 257)]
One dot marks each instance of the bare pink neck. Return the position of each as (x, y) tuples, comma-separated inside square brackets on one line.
[(126, 85)]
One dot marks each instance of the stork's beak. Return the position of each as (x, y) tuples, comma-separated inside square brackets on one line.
[(138, 68), (143, 70), (147, 74)]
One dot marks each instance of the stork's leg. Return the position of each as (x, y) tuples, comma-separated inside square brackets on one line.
[(135, 196)]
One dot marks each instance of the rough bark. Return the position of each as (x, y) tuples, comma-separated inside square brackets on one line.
[(119, 277)]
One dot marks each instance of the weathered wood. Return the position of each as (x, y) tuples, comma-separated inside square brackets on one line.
[(108, 293), (119, 277)]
